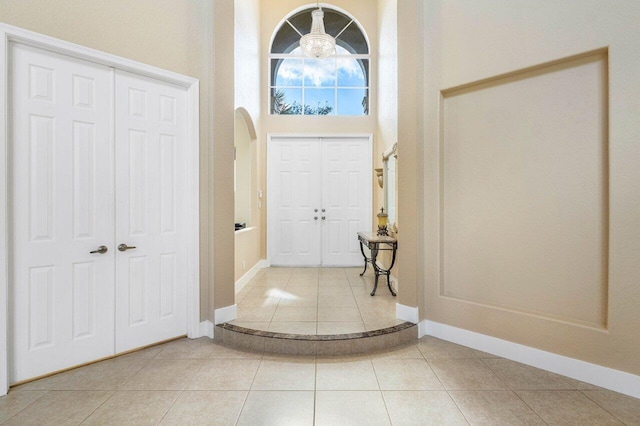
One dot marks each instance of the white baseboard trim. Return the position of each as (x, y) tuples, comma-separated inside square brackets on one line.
[(244, 280), (407, 313), (206, 329), (608, 378), (226, 314)]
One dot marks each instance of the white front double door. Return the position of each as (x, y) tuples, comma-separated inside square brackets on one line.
[(319, 197), (95, 161)]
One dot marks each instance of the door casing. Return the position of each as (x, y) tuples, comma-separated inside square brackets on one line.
[(9, 34)]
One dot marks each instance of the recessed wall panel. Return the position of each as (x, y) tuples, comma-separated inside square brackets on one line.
[(524, 188)]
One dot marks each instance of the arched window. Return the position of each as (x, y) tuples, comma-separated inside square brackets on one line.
[(338, 85)]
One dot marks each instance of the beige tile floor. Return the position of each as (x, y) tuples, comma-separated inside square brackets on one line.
[(315, 301), (201, 382)]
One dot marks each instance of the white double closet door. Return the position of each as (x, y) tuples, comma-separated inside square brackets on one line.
[(319, 197), (95, 161)]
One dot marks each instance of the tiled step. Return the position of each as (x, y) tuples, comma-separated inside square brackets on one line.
[(323, 345)]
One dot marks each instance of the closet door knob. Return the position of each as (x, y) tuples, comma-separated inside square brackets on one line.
[(315, 218), (124, 247), (323, 218), (101, 250), (315, 210)]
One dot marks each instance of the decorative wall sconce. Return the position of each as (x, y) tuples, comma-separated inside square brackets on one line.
[(380, 175)]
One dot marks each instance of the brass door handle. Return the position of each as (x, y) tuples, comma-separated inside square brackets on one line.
[(124, 247), (101, 250)]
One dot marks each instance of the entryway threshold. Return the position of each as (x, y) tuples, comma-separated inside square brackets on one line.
[(322, 345)]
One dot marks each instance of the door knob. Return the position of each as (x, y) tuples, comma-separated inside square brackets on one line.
[(323, 210), (323, 217), (124, 247), (315, 218), (101, 250), (315, 210)]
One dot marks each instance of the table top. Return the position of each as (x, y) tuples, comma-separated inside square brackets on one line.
[(373, 237)]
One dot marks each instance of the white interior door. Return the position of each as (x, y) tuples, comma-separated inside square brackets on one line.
[(60, 183), (151, 167), (346, 198), (319, 197), (293, 182)]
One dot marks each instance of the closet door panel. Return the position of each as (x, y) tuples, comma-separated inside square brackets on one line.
[(61, 189), (151, 126)]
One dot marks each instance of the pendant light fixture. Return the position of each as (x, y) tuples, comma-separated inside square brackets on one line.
[(317, 44)]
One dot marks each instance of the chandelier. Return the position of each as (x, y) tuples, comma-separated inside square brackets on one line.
[(317, 44)]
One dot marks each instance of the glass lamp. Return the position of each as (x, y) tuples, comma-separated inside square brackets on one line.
[(382, 222)]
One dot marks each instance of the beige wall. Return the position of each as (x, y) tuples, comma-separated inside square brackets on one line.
[(177, 36), (409, 169), (247, 251), (531, 203), (249, 245), (243, 172), (387, 89)]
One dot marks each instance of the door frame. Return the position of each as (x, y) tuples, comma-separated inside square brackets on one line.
[(9, 34), (271, 136)]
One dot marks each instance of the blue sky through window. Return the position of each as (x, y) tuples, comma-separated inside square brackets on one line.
[(339, 83)]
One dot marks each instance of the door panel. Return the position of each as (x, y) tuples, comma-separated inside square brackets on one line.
[(60, 181), (293, 182), (346, 193), (151, 279)]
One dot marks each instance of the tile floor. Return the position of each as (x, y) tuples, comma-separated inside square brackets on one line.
[(315, 301), (201, 382)]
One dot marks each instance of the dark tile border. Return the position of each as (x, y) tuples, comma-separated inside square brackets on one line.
[(319, 337)]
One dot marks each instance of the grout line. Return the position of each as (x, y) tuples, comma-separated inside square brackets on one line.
[(529, 406)]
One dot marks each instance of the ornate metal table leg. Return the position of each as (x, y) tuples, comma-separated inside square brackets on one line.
[(365, 259), (376, 271)]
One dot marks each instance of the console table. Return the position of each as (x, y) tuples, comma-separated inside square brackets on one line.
[(377, 243)]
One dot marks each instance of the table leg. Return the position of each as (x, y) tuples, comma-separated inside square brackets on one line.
[(365, 259), (374, 255)]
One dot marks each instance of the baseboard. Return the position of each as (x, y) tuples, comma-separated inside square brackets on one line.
[(407, 313), (244, 280), (226, 314), (206, 329), (608, 378)]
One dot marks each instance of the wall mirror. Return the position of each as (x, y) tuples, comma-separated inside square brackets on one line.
[(390, 163)]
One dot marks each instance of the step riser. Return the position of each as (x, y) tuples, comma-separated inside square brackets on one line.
[(286, 344)]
